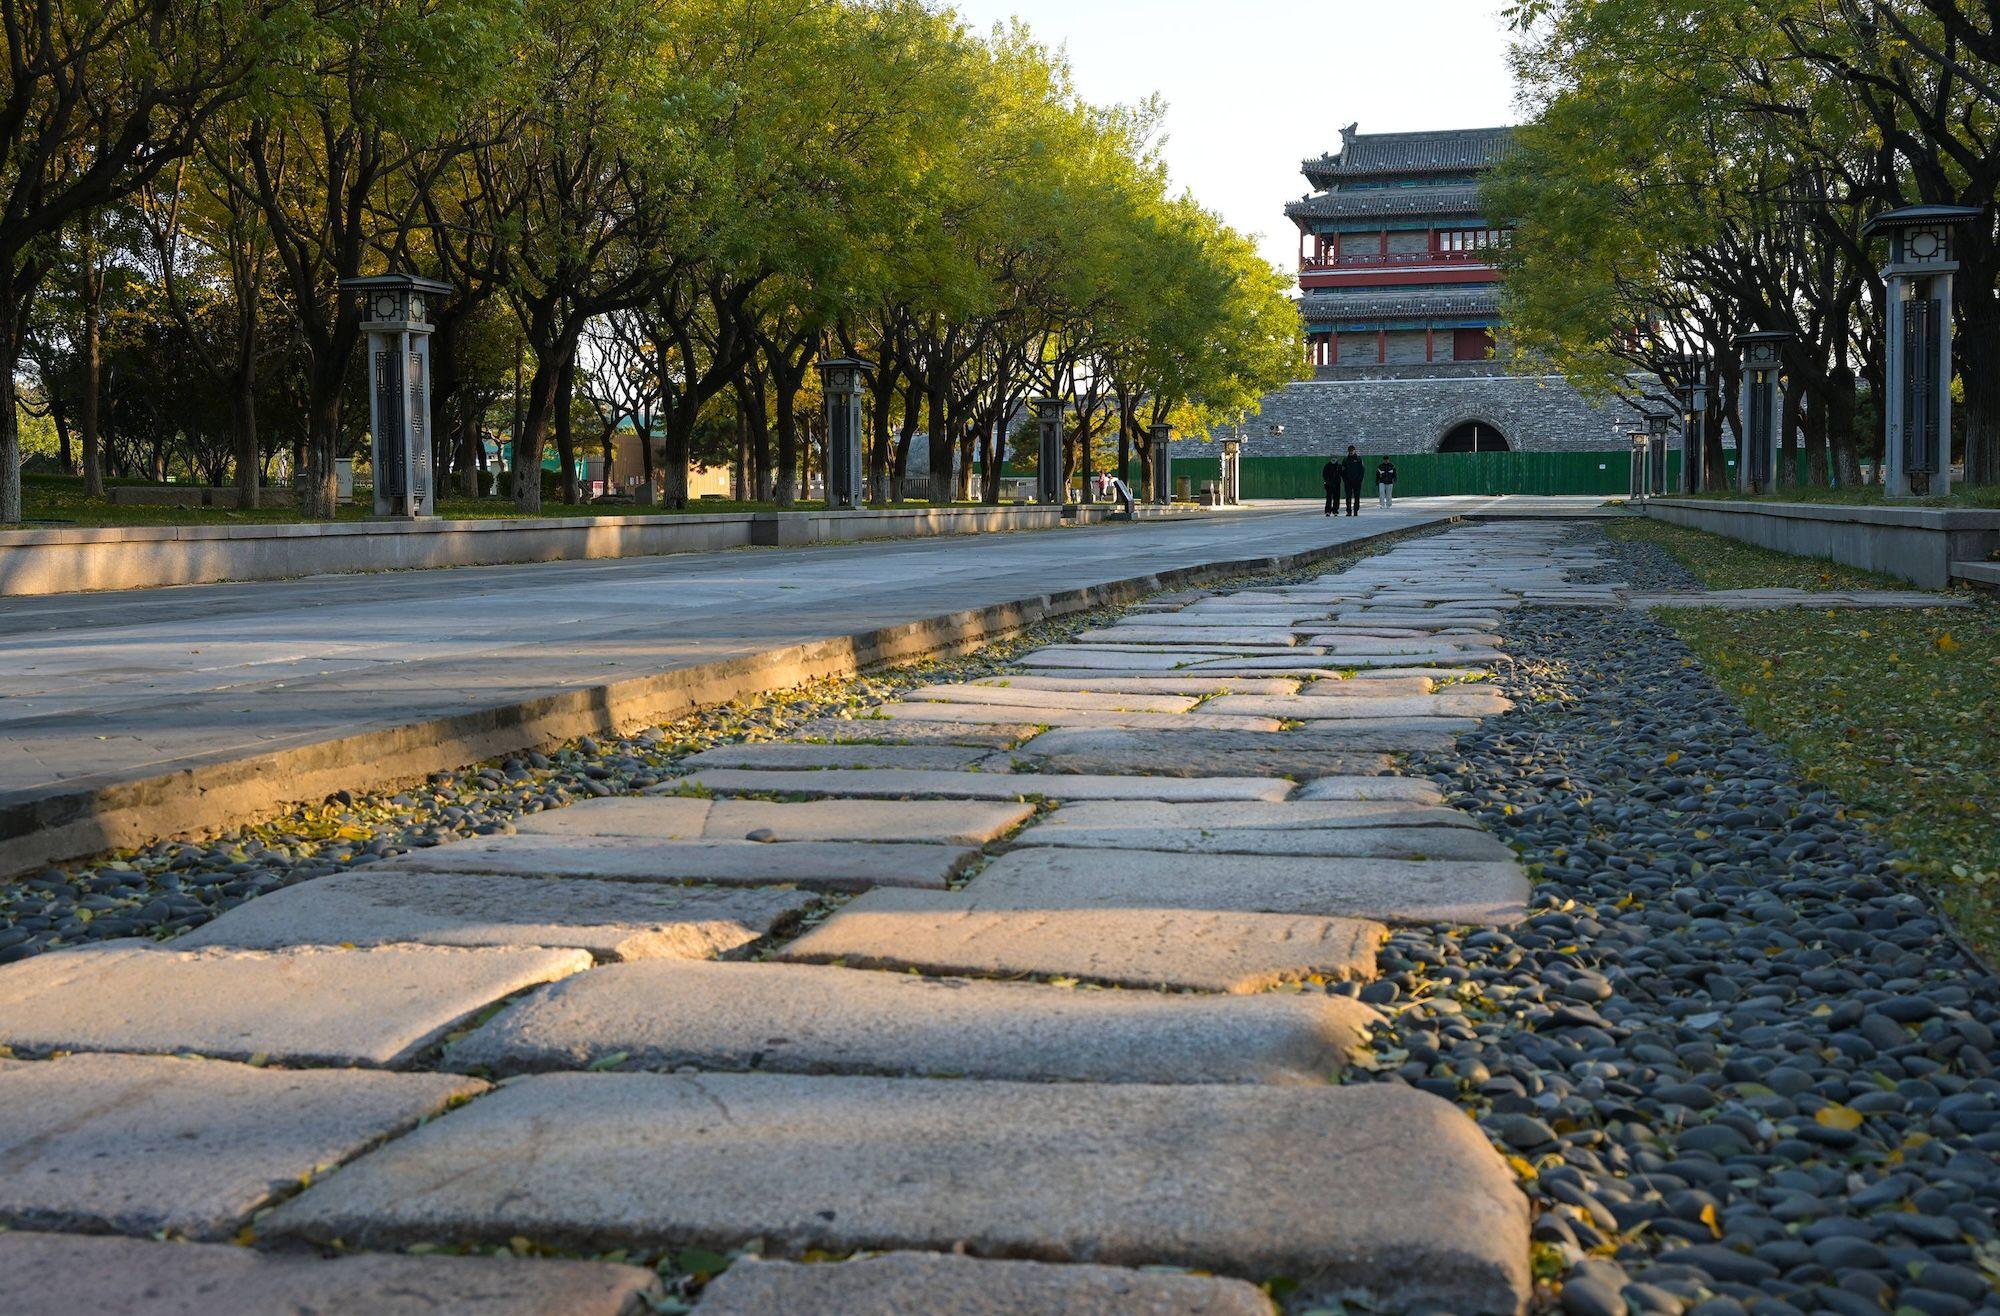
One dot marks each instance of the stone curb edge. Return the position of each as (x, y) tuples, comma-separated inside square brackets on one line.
[(224, 792)]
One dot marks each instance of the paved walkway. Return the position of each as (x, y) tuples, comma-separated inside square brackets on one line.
[(1099, 1006), (99, 690)]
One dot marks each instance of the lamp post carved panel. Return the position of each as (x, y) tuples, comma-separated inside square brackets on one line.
[(1161, 465), (1050, 485)]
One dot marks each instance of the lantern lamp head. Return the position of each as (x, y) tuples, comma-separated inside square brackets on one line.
[(1764, 349), (1656, 425), (1921, 237), (843, 375), (396, 299)]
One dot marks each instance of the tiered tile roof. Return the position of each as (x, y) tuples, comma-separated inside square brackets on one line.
[(1443, 199), (1383, 155), (1365, 305)]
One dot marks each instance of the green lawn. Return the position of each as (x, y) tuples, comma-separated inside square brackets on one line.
[(60, 500), (1726, 564), (1978, 495), (1891, 711)]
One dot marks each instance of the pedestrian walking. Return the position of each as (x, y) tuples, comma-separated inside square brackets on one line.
[(1352, 473), (1329, 475), (1385, 483)]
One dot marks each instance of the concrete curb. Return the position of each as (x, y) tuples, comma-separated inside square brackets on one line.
[(1918, 544), (99, 814)]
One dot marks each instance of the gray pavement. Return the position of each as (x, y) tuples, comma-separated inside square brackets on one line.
[(100, 692)]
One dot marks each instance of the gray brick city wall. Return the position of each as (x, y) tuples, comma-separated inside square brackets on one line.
[(1411, 414)]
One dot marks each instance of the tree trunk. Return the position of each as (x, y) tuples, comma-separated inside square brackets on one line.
[(1788, 452), (786, 402), (939, 493), (10, 423), (565, 436), (1841, 406), (1978, 346), (93, 384), (243, 423), (320, 499), (472, 455)]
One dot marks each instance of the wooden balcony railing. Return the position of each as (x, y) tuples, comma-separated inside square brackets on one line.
[(1349, 260)]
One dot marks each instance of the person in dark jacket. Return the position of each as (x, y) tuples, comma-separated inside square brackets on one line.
[(1385, 483), (1352, 472), (1329, 475)]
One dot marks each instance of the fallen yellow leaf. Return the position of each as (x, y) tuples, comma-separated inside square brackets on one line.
[(1833, 1115)]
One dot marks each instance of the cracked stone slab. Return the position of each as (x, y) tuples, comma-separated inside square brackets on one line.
[(139, 1144), (1349, 830), (1216, 636), (1453, 703), (1387, 890), (1200, 950), (889, 783), (1197, 753), (1074, 717), (67, 1274), (663, 816), (1007, 696), (1162, 685), (812, 1019), (814, 865), (1380, 1189), (793, 754), (611, 920), (313, 1005), (943, 1284), (1337, 664)]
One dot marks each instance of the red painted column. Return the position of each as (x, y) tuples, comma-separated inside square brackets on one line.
[(1385, 242), (1430, 342), (1336, 248)]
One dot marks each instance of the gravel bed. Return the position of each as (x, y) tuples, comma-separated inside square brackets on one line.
[(1739, 1064), (169, 887), (1648, 566)]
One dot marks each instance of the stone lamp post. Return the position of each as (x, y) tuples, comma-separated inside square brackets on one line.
[(1232, 471), (1162, 466), (1658, 425), (841, 381), (1639, 447), (1694, 372), (1763, 409), (1916, 407), (1049, 482), (399, 389)]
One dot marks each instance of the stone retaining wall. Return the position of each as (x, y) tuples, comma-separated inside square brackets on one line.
[(1918, 544), (144, 557)]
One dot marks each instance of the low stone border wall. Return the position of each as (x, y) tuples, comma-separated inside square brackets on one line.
[(1919, 544), (63, 561)]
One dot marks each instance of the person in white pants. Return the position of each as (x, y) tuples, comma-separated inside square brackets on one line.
[(1385, 483)]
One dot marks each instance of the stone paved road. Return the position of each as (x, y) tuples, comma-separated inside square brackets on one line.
[(985, 1067), (101, 689)]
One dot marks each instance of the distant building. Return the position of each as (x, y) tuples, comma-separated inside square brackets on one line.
[(1399, 292)]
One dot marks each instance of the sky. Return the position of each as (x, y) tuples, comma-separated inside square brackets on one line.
[(1255, 86)]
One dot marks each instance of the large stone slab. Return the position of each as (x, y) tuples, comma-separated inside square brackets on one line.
[(881, 731), (1252, 815), (1202, 950), (1361, 686), (1105, 660), (889, 783), (70, 1274), (814, 865), (307, 1005), (1344, 750), (1212, 636), (1011, 697), (1335, 664), (611, 920), (664, 816), (1356, 830), (1387, 890), (139, 1144), (942, 1284), (811, 1019), (1164, 685), (1370, 1187), (796, 754), (1454, 703), (1409, 790), (1075, 717)]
